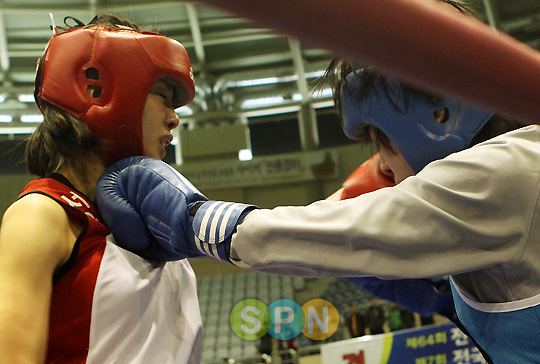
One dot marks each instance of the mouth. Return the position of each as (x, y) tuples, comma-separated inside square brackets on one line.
[(166, 141)]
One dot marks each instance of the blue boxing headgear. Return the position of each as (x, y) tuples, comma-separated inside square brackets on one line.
[(410, 123)]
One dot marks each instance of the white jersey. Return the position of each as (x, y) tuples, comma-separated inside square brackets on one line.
[(111, 306), (155, 317)]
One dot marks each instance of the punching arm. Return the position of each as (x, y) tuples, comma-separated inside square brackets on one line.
[(158, 214), (424, 296)]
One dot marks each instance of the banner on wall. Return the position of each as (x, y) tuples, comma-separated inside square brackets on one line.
[(282, 168), (439, 344)]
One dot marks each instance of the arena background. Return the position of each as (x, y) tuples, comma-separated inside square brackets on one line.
[(254, 94)]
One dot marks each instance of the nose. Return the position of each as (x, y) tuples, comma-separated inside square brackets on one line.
[(172, 120)]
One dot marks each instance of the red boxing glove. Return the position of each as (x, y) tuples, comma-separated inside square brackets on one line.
[(366, 178)]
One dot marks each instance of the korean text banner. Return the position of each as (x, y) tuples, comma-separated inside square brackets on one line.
[(437, 344)]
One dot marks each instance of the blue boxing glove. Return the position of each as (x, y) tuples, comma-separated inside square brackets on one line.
[(156, 213)]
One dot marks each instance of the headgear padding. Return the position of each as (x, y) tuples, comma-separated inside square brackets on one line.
[(410, 124), (120, 66)]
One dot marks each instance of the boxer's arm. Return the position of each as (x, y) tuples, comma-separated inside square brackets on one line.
[(36, 237), (417, 295)]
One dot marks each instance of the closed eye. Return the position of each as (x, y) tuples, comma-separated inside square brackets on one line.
[(167, 99), (163, 90)]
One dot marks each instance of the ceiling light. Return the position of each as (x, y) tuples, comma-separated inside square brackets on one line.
[(17, 130), (31, 118), (256, 82), (264, 101), (26, 98)]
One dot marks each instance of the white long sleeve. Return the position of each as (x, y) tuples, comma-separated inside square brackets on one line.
[(474, 211)]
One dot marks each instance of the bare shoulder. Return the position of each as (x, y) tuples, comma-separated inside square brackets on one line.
[(34, 204), (36, 211), (37, 226), (36, 237)]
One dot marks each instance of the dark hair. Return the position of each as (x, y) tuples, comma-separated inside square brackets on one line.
[(62, 139), (108, 20), (497, 125), (461, 6), (369, 77)]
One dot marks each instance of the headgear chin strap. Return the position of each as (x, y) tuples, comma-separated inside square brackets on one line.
[(411, 126), (102, 76)]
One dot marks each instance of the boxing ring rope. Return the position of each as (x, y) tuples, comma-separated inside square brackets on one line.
[(422, 42)]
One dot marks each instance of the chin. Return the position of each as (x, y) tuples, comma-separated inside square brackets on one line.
[(155, 155), (157, 152)]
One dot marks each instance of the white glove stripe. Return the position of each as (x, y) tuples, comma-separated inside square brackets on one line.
[(200, 246), (213, 248), (212, 238), (206, 218), (225, 220), (213, 225)]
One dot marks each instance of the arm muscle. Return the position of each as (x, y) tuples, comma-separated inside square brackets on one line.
[(35, 238)]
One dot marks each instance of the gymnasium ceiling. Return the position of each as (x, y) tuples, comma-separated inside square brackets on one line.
[(233, 60)]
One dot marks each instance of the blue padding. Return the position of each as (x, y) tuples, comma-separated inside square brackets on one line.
[(412, 126)]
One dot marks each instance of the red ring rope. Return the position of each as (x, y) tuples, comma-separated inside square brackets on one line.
[(419, 41)]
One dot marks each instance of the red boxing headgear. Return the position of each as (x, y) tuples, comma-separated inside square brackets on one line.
[(120, 66)]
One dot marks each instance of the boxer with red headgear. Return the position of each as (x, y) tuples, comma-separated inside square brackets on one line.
[(107, 90), (102, 76)]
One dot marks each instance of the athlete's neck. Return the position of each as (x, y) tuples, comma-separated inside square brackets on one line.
[(85, 180)]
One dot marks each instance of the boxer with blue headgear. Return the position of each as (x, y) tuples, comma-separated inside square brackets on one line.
[(422, 128)]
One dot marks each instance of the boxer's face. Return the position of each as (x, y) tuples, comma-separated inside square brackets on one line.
[(392, 163), (158, 120)]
